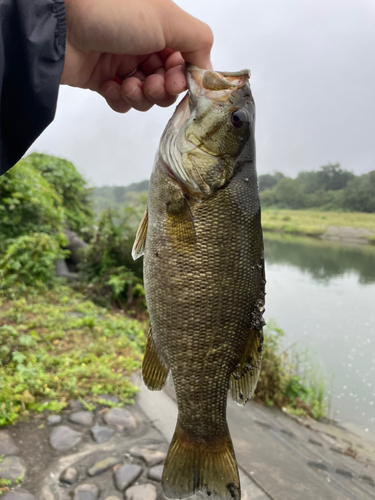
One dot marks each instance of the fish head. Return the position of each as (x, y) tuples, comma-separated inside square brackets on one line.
[(209, 130)]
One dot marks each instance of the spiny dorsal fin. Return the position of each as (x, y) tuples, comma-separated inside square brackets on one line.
[(140, 239), (244, 379), (154, 370)]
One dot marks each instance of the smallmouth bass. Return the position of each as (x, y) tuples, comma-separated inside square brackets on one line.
[(204, 276)]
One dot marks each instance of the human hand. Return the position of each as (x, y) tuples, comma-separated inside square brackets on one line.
[(144, 43)]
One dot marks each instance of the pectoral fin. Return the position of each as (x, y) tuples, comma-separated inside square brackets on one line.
[(244, 379), (154, 370), (140, 239), (180, 223)]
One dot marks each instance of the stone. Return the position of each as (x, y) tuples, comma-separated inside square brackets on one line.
[(7, 445), (12, 468), (54, 419), (156, 473), (103, 465), (151, 457), (63, 438), (126, 475), (18, 495), (76, 405), (82, 418), (86, 492), (69, 475), (101, 434), (120, 418), (141, 492)]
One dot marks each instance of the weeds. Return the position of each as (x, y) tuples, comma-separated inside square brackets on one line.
[(63, 347)]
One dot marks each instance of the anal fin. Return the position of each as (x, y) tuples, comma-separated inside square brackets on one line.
[(140, 239), (154, 370), (244, 379)]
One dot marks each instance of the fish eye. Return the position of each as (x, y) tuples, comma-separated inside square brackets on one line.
[(238, 118)]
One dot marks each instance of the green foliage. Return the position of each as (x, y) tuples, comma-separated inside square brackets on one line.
[(108, 266), (119, 197), (29, 262), (56, 346), (28, 204), (268, 181), (70, 186), (359, 194), (329, 188)]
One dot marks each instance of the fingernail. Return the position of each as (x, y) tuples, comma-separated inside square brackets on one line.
[(132, 91), (112, 93)]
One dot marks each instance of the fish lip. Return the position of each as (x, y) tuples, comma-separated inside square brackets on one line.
[(200, 81)]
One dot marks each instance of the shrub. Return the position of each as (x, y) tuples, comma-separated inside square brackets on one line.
[(29, 262), (108, 266), (70, 186), (28, 204)]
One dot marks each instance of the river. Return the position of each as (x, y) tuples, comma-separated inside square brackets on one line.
[(322, 295)]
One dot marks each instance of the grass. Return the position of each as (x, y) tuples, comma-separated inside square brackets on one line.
[(56, 346), (314, 223)]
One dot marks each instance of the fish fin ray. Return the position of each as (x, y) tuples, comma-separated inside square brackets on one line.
[(183, 226), (244, 379), (194, 465), (154, 370), (140, 239)]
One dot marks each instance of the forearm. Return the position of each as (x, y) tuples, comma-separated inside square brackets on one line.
[(32, 47)]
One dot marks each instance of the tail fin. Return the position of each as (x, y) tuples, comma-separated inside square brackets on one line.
[(193, 465)]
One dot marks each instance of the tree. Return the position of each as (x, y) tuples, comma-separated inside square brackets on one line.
[(268, 181), (359, 194)]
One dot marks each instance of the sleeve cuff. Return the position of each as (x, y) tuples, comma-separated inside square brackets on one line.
[(58, 9)]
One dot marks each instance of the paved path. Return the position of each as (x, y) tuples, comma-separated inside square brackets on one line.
[(282, 459)]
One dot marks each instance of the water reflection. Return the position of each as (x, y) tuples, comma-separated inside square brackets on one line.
[(323, 294), (322, 260)]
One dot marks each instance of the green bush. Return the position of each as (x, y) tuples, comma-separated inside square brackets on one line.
[(108, 266), (28, 204), (70, 186), (29, 261)]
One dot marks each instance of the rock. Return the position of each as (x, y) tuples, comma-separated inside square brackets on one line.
[(141, 492), (151, 457), (54, 419), (12, 468), (7, 445), (120, 418), (76, 246), (82, 418), (18, 495), (109, 397), (75, 405), (156, 473), (86, 492), (103, 465), (63, 438), (126, 475), (61, 270), (101, 434), (69, 475)]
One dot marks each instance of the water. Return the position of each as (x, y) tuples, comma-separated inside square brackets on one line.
[(323, 295)]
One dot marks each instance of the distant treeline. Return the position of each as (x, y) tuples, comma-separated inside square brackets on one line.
[(329, 188), (117, 196)]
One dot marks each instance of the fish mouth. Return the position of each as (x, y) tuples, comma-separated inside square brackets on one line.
[(214, 85)]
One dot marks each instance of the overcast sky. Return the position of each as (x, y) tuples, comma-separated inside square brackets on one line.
[(313, 80)]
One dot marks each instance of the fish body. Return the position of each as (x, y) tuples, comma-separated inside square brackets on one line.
[(204, 277)]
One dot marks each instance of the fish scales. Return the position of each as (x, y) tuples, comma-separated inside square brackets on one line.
[(204, 283)]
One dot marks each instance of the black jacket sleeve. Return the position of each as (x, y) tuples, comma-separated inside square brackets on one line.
[(32, 48)]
